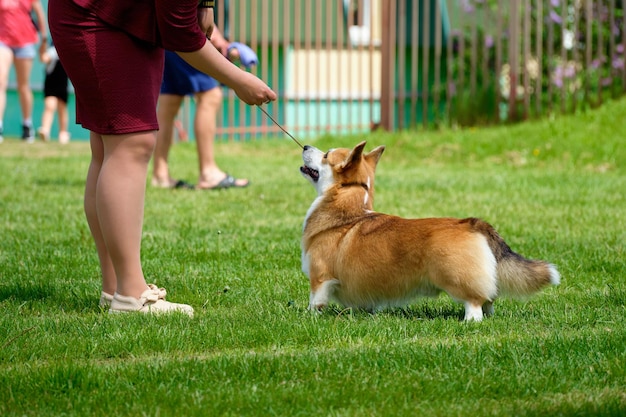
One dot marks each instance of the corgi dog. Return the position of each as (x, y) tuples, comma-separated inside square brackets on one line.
[(368, 260)]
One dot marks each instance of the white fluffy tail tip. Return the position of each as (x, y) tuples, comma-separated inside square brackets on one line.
[(555, 277)]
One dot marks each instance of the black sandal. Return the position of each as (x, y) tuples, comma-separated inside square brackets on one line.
[(184, 185)]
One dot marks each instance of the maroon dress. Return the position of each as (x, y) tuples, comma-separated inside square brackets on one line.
[(112, 52)]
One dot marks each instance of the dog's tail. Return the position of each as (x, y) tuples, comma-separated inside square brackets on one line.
[(516, 275)]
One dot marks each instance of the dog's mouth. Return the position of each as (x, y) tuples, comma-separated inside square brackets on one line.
[(310, 172)]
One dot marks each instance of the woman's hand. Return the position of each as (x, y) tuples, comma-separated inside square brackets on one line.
[(253, 90), (246, 85)]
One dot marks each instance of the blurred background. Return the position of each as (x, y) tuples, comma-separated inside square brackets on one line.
[(351, 66)]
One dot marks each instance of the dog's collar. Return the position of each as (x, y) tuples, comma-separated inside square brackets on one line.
[(356, 184)]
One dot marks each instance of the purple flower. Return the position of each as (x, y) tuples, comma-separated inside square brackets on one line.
[(618, 63), (452, 89), (467, 6), (569, 71), (595, 64), (555, 17), (563, 72), (605, 82), (557, 76), (555, 3), (488, 41), (619, 48)]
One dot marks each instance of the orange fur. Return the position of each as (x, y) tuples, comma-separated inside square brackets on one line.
[(371, 260)]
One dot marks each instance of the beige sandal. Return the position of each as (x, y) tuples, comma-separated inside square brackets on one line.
[(151, 300), (105, 299)]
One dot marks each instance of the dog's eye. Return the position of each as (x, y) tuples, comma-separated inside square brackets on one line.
[(326, 155)]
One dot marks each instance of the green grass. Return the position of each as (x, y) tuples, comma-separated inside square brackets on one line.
[(555, 189)]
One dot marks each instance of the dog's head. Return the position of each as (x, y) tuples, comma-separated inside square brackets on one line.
[(342, 167)]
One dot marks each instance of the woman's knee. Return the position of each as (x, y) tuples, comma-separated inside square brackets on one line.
[(138, 147), (210, 100), (142, 146)]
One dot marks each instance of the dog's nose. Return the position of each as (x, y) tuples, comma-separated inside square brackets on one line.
[(306, 147)]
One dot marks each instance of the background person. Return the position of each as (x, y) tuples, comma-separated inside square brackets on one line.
[(179, 80), (18, 36), (55, 91)]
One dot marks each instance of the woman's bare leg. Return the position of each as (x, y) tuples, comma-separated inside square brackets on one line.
[(208, 105), (64, 116), (114, 204), (167, 109), (6, 60), (23, 67), (50, 104)]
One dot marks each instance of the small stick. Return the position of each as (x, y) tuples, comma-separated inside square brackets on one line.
[(17, 337), (281, 128)]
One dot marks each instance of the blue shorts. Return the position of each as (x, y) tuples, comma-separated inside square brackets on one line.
[(181, 79), (27, 51)]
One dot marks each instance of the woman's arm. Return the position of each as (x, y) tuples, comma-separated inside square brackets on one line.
[(206, 20), (42, 26), (248, 87)]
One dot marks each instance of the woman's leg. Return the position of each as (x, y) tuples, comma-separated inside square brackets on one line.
[(64, 121), (64, 116), (208, 105), (114, 203), (114, 199), (6, 59), (49, 107), (109, 279), (120, 197), (167, 109), (23, 67)]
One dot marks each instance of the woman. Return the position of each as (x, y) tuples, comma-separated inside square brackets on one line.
[(113, 53), (18, 36)]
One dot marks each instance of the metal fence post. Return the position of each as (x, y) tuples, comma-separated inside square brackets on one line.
[(388, 48)]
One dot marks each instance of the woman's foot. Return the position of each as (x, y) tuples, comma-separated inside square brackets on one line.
[(43, 134), (172, 183), (151, 300), (105, 299), (227, 181), (64, 137)]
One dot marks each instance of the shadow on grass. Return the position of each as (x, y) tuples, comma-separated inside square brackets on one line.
[(428, 311), (59, 181), (70, 298), (419, 311), (27, 291)]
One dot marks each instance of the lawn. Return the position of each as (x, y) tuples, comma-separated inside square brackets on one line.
[(555, 189)]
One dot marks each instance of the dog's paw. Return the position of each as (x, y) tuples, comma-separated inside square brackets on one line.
[(317, 307), (473, 312)]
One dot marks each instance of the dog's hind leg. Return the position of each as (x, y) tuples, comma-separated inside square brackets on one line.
[(477, 278), (473, 312), (321, 296)]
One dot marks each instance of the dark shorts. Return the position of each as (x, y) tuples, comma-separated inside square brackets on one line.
[(56, 84), (181, 79), (116, 77)]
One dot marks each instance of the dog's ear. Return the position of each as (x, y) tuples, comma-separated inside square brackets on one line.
[(354, 156), (374, 155)]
